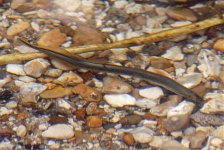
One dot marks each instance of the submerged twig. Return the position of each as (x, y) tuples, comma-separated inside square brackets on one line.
[(146, 39)]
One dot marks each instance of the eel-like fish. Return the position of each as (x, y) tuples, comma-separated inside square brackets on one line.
[(150, 77)]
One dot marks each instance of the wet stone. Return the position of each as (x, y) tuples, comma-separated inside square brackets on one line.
[(160, 63), (69, 78), (17, 28), (53, 38), (119, 100), (115, 86), (213, 106), (36, 67), (132, 119), (94, 121), (87, 93), (142, 134), (180, 13), (59, 131), (197, 139), (176, 123), (128, 139), (56, 92), (173, 145), (15, 69), (207, 119)]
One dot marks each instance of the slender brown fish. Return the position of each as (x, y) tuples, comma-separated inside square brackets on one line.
[(152, 78)]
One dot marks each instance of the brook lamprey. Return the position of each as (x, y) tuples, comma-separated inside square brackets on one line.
[(150, 77)]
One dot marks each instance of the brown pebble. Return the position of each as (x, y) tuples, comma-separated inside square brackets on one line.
[(17, 28), (53, 38), (180, 13), (80, 113), (62, 65), (56, 92), (128, 139), (197, 139), (219, 45), (85, 35), (87, 93), (80, 136), (94, 122), (57, 120), (160, 63), (115, 86), (132, 119), (176, 123)]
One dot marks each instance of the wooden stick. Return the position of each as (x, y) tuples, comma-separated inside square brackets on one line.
[(146, 39)]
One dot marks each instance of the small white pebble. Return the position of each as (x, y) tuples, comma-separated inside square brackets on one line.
[(15, 69), (151, 93), (21, 131)]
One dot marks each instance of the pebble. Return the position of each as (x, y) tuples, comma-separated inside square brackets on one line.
[(181, 14), (219, 132), (160, 72), (153, 93), (26, 79), (6, 145), (183, 108), (64, 104), (142, 134), (214, 106), (174, 53), (5, 80), (180, 23), (197, 139), (219, 45), (160, 63), (207, 119), (216, 142), (85, 35), (120, 4), (94, 121), (59, 131), (68, 5), (162, 109), (130, 120), (53, 72), (158, 141), (176, 123), (128, 139), (5, 111), (36, 67), (62, 65), (29, 91), (115, 86), (190, 80), (149, 123), (21, 131), (17, 28), (145, 103), (87, 93), (172, 145), (56, 92), (53, 38), (119, 100), (209, 64), (15, 69), (25, 49), (11, 104), (217, 96), (69, 78)]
